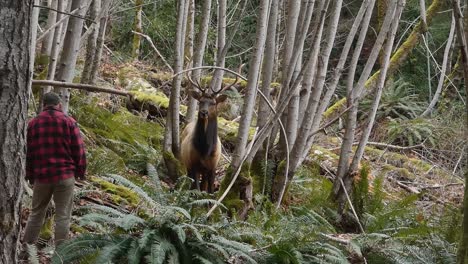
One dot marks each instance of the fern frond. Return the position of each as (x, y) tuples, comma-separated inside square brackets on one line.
[(134, 188), (206, 202), (33, 257), (153, 174)]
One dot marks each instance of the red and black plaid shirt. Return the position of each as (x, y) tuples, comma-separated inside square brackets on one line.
[(55, 148)]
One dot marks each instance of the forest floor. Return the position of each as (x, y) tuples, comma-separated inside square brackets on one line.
[(405, 171)]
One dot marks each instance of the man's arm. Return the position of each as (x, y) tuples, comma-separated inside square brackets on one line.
[(78, 151)]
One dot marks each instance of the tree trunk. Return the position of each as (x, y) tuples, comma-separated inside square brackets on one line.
[(268, 64), (137, 28), (54, 53), (100, 40), (71, 46), (198, 54), (280, 181), (92, 42), (288, 66), (221, 43), (353, 94), (250, 90), (171, 136), (387, 52), (443, 71), (461, 23), (51, 19), (397, 59), (249, 103), (15, 80)]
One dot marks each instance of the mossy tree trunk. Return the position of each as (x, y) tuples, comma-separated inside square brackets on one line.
[(171, 136), (249, 101), (15, 80), (461, 23), (137, 28)]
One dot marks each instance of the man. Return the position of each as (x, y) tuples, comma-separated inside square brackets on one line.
[(55, 157)]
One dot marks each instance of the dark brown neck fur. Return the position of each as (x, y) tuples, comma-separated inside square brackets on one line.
[(205, 140)]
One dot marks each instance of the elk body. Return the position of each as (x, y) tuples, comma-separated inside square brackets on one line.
[(201, 146)]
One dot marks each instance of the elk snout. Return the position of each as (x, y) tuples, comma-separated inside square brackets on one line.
[(204, 113)]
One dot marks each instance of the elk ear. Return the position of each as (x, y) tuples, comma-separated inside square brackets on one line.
[(195, 95), (221, 98)]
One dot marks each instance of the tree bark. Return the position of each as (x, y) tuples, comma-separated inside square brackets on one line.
[(173, 144), (221, 43), (54, 54), (397, 59), (15, 80), (51, 19), (443, 71), (250, 90), (387, 52), (100, 40), (92, 42), (461, 23), (353, 94), (249, 103), (199, 52), (71, 46), (137, 28)]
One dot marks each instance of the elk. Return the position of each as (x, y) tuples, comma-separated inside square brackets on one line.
[(201, 146)]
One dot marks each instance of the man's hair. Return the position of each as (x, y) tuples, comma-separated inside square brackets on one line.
[(51, 98)]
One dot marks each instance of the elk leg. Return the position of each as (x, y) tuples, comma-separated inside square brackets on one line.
[(210, 177), (193, 174), (204, 183)]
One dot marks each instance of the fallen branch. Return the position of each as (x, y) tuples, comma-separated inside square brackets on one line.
[(155, 49), (86, 87)]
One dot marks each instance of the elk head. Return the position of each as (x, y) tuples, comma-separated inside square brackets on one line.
[(208, 101)]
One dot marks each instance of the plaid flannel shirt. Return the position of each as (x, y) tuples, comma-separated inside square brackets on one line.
[(55, 149)]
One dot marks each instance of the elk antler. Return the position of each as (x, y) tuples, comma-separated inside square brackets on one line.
[(197, 84), (232, 84)]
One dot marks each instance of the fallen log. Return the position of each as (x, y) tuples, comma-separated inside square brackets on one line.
[(79, 86)]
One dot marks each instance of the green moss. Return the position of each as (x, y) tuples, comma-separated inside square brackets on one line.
[(169, 157), (47, 229), (118, 193), (232, 200), (77, 229)]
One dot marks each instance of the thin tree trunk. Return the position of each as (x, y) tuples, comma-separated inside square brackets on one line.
[(335, 80), (221, 42), (443, 71), (398, 58), (189, 34), (137, 28), (353, 94), (387, 52), (71, 46), (51, 19), (249, 101), (461, 23), (250, 90), (318, 87), (100, 40), (173, 115), (268, 64), (54, 54), (15, 81), (280, 180), (92, 42), (198, 54), (287, 66)]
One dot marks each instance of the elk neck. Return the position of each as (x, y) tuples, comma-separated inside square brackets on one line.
[(206, 135)]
